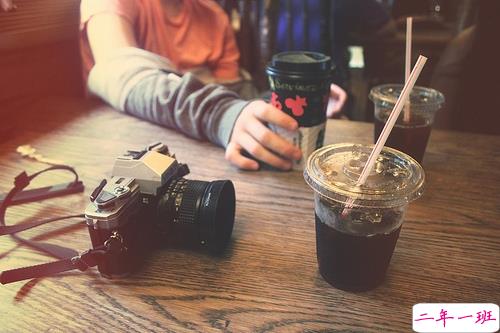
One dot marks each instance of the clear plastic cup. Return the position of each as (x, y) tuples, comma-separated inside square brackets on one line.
[(354, 246), (407, 136)]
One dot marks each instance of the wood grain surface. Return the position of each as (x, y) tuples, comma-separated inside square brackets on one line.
[(267, 280), (39, 51), (37, 22)]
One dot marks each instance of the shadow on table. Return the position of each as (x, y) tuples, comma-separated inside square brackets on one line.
[(38, 117)]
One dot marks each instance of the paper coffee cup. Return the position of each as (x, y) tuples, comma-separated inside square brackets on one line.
[(300, 86)]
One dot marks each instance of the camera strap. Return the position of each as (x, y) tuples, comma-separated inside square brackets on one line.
[(69, 258)]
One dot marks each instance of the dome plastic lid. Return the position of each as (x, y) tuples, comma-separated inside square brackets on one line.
[(419, 96), (396, 178)]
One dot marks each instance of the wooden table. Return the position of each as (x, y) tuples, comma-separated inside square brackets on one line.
[(268, 280)]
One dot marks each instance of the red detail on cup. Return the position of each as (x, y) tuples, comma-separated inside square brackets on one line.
[(296, 105), (275, 102)]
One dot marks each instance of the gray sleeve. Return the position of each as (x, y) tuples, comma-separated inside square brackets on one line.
[(143, 84), (197, 110)]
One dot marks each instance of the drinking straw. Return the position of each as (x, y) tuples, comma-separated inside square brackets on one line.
[(409, 28), (388, 127)]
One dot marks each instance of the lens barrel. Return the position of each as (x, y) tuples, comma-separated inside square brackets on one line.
[(200, 212)]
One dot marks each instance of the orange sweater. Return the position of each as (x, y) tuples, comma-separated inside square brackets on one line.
[(200, 36)]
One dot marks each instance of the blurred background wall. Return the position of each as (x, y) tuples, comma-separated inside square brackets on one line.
[(39, 51)]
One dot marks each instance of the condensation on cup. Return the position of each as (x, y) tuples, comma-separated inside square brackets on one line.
[(408, 135), (354, 245)]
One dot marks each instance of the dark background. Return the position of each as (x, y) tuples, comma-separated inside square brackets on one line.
[(39, 53)]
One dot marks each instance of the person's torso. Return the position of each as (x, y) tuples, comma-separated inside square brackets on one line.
[(193, 38)]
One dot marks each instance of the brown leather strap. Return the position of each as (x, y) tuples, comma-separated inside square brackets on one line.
[(20, 183), (70, 258), (81, 262), (43, 193), (12, 229)]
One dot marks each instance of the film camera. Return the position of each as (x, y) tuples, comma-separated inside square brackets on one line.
[(147, 203)]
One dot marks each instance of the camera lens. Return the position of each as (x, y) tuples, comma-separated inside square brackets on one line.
[(198, 213)]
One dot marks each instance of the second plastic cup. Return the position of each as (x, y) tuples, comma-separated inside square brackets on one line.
[(408, 136), (354, 246)]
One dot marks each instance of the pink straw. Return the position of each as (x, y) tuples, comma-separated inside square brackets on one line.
[(409, 28), (403, 97)]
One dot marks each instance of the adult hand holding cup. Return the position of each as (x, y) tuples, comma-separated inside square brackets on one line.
[(252, 136)]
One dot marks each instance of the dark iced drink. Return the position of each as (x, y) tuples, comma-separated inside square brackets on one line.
[(411, 138), (353, 262), (410, 134), (354, 246)]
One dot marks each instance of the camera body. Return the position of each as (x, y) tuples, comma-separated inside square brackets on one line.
[(147, 203)]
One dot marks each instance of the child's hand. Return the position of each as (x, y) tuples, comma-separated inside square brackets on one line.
[(337, 100)]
